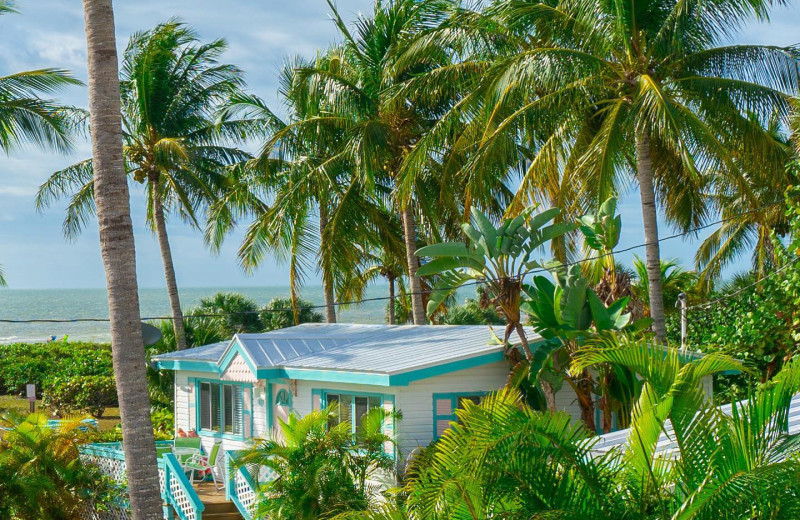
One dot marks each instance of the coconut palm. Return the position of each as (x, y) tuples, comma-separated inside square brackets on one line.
[(674, 280), (172, 86), (27, 117), (634, 92), (379, 127), (112, 203), (750, 218), (297, 171)]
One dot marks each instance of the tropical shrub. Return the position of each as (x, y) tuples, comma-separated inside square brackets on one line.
[(237, 314), (41, 476), (39, 363), (504, 460), (324, 469), (275, 314), (471, 312), (89, 394)]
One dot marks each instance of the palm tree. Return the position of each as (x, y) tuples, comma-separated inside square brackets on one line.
[(674, 280), (26, 117), (297, 171), (119, 259), (633, 91), (172, 87), (40, 474), (380, 124)]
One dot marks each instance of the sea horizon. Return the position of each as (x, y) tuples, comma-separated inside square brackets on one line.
[(83, 303)]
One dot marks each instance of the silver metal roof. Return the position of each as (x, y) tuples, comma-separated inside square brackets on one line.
[(667, 443), (384, 349)]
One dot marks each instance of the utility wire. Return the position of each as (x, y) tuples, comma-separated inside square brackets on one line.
[(428, 291)]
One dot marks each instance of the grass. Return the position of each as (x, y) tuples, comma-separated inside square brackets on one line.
[(20, 404)]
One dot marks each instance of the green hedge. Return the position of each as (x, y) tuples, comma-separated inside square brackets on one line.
[(88, 394), (42, 363)]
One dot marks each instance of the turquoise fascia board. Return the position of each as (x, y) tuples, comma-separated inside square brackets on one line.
[(189, 365), (437, 370), (337, 376)]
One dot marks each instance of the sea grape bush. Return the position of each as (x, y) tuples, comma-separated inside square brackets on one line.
[(88, 394), (41, 363)]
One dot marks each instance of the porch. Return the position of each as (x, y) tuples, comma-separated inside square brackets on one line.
[(182, 498)]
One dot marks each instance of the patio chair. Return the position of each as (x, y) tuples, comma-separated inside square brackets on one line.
[(187, 442), (199, 465)]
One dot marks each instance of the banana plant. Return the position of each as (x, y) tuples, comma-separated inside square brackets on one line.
[(497, 256), (566, 314)]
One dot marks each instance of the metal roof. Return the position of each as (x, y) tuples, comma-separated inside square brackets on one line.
[(667, 442), (383, 349)]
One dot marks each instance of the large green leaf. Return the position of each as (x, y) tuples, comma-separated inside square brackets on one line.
[(444, 249), (543, 218), (440, 265), (488, 231)]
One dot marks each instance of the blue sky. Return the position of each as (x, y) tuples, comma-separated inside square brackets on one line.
[(261, 34)]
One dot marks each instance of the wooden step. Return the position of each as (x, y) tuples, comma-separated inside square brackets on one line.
[(219, 507), (222, 516)]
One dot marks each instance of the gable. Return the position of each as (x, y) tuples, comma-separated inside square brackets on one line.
[(238, 370)]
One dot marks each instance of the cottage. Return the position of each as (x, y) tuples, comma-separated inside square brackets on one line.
[(239, 390)]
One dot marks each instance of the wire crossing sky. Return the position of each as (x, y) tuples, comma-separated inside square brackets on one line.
[(261, 34)]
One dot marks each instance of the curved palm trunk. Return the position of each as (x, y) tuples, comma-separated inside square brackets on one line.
[(410, 237), (392, 318), (169, 267), (650, 220), (327, 281), (119, 259)]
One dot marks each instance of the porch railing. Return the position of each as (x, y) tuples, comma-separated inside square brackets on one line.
[(240, 488), (176, 490)]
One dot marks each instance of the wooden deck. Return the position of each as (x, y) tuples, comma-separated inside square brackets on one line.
[(208, 494)]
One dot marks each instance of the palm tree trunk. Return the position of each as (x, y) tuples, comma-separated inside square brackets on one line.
[(169, 267), (410, 236), (391, 301), (119, 259), (327, 282), (650, 220)]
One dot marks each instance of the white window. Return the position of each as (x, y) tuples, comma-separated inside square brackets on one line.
[(221, 408), (352, 407)]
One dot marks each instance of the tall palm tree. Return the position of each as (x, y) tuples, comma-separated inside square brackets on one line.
[(119, 260), (297, 171), (26, 117), (172, 87), (635, 91), (380, 127)]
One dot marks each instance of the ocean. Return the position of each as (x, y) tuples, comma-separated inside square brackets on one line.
[(21, 304)]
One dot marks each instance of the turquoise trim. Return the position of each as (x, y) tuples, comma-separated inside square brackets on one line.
[(270, 409), (233, 349), (213, 433), (453, 397), (193, 366), (173, 467), (438, 370)]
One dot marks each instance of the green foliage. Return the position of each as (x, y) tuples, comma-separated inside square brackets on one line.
[(471, 312), (240, 314), (41, 476), (505, 460), (88, 394), (674, 280), (274, 318), (323, 468), (40, 363)]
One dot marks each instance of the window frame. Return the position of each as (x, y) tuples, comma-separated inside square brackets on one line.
[(246, 415), (454, 398), (353, 394)]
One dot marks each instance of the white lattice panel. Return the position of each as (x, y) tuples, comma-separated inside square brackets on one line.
[(181, 500), (245, 492)]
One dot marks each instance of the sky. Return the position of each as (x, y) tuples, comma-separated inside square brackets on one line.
[(261, 34)]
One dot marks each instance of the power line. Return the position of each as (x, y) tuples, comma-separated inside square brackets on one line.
[(428, 291)]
